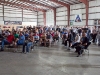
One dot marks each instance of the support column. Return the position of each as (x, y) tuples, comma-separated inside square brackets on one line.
[(87, 13), (87, 9), (67, 6), (54, 10), (3, 11), (37, 17), (44, 17), (22, 15), (68, 12)]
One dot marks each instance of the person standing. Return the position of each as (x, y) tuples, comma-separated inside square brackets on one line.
[(9, 40), (28, 43), (98, 38), (94, 34)]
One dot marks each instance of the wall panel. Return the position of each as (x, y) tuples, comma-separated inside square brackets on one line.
[(92, 16), (91, 10), (50, 18), (40, 16), (1, 19), (90, 22), (29, 16), (39, 20), (41, 23), (11, 14), (40, 13), (1, 22), (92, 3), (62, 23), (1, 14), (61, 14), (62, 18), (97, 3), (61, 9), (15, 14)]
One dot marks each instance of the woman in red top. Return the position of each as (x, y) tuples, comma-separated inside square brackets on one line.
[(9, 40)]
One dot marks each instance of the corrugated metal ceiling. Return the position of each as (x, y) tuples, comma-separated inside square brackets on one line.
[(38, 5)]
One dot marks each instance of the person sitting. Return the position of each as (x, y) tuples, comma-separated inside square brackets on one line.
[(70, 39), (98, 38), (84, 42), (8, 40), (28, 43), (16, 35), (26, 35), (43, 39), (56, 36), (76, 42), (21, 39), (48, 39), (36, 38), (64, 37)]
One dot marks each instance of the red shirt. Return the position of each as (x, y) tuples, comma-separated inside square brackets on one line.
[(40, 34), (52, 34), (10, 38)]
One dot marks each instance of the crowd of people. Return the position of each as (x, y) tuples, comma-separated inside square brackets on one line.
[(78, 38)]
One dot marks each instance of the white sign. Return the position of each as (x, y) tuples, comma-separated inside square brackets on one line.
[(78, 18)]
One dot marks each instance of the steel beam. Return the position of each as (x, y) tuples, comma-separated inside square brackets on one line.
[(3, 11), (24, 6), (22, 14), (44, 17), (67, 6), (54, 10), (28, 1), (87, 9)]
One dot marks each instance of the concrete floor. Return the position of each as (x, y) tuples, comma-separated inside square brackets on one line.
[(55, 60)]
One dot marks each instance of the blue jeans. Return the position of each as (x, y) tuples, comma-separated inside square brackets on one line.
[(28, 45), (4, 41), (20, 43)]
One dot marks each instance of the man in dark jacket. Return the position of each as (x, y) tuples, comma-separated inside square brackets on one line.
[(84, 43)]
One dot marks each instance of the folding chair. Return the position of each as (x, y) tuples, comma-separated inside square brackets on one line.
[(86, 47)]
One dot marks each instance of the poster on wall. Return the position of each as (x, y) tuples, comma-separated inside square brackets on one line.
[(99, 22), (12, 22), (71, 22), (78, 18), (95, 22)]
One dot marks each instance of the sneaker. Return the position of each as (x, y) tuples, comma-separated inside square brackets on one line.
[(79, 55), (32, 49), (68, 49), (2, 50), (26, 52), (72, 47)]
